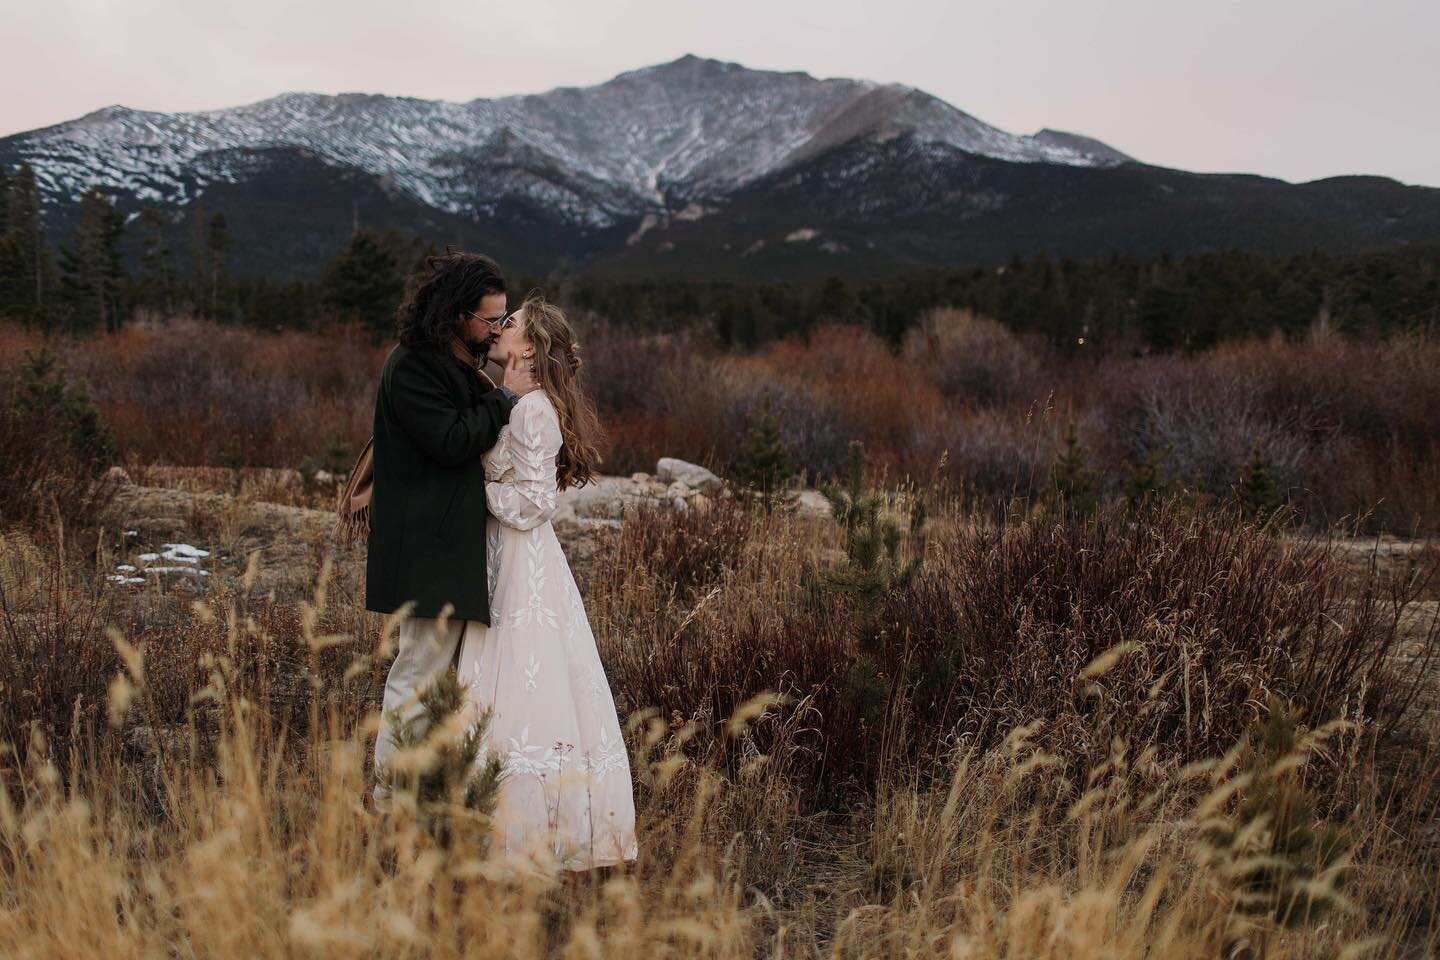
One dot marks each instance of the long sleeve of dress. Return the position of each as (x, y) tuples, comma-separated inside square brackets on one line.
[(528, 494)]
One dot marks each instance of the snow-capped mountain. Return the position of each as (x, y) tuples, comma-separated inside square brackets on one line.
[(692, 168), (648, 141)]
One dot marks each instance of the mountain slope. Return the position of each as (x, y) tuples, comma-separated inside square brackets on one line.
[(696, 165), (686, 129), (869, 209)]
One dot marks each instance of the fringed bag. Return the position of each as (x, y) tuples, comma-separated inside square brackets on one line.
[(352, 505)]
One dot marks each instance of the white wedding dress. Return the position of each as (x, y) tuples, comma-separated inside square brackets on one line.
[(566, 797)]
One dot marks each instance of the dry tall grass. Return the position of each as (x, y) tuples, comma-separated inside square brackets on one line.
[(202, 793), (186, 778), (1212, 615)]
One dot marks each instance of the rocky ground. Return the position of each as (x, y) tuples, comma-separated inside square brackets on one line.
[(176, 530)]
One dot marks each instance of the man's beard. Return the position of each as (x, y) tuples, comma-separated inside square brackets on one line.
[(481, 348)]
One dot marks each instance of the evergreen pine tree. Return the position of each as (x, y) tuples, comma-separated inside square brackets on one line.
[(65, 411), (14, 282), (762, 472), (93, 271), (217, 261), (407, 250), (435, 768), (70, 292), (336, 459), (25, 219), (835, 301), (1279, 862), (423, 250), (871, 573), (199, 259), (1071, 480), (1147, 480), (363, 282), (1255, 491), (1159, 317), (22, 247), (5, 188), (157, 275)]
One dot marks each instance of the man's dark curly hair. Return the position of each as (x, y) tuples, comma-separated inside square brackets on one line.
[(450, 284)]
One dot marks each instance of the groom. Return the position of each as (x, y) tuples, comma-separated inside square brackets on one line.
[(436, 413)]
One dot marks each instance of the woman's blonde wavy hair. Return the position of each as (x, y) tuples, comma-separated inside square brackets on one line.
[(557, 365)]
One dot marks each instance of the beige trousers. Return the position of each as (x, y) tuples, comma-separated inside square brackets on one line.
[(423, 653)]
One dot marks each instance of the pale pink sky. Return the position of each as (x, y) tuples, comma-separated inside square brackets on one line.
[(1297, 89)]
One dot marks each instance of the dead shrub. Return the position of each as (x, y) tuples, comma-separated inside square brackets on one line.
[(971, 358), (1205, 616)]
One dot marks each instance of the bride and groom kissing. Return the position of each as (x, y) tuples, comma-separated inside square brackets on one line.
[(465, 482)]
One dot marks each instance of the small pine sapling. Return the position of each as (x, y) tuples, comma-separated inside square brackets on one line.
[(1071, 480), (763, 473), (872, 571), (436, 767), (1277, 860), (1146, 480), (1255, 491)]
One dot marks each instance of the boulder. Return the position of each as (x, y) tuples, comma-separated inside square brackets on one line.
[(668, 470), (605, 498), (813, 502), (595, 503)]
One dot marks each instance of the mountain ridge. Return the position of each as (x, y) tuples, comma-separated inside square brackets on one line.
[(700, 165), (674, 132)]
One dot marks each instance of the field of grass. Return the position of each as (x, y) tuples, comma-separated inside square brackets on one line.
[(1168, 731)]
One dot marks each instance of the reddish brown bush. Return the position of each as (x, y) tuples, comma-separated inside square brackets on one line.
[(1348, 428), (973, 359), (189, 392)]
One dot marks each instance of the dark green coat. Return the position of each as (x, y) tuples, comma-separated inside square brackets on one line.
[(433, 420)]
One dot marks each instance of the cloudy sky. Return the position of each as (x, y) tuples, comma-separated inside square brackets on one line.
[(1297, 89)]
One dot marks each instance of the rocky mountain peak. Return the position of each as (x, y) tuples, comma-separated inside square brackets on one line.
[(649, 140)]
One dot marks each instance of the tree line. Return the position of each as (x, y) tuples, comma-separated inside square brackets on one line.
[(1120, 303), (1164, 303), (81, 283)]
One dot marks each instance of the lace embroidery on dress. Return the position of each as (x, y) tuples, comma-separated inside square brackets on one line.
[(567, 786)]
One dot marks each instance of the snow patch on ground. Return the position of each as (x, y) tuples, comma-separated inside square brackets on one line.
[(184, 553), (180, 557)]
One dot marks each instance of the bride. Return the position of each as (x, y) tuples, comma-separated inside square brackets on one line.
[(566, 795)]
